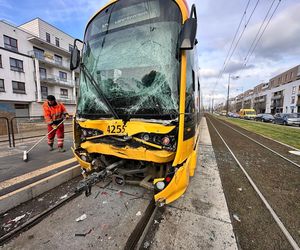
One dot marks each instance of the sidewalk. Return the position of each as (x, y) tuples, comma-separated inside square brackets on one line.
[(200, 219)]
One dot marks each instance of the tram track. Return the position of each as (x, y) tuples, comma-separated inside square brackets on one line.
[(135, 237), (276, 179), (282, 150), (35, 220)]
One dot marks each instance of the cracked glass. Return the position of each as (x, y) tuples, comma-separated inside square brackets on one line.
[(131, 51)]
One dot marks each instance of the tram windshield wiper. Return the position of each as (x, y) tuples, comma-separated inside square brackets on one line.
[(98, 89)]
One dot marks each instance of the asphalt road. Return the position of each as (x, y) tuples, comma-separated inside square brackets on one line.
[(12, 164)]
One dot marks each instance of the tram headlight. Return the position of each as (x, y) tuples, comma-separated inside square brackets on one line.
[(90, 132), (160, 185)]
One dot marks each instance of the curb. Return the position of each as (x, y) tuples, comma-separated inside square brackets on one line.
[(33, 190)]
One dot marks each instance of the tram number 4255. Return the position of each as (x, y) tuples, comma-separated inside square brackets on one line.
[(115, 129)]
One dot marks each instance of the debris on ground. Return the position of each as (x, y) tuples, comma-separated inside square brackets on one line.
[(120, 192), (156, 222), (18, 218), (240, 189), (84, 234), (104, 193), (138, 213), (146, 244), (40, 199), (104, 202), (64, 196), (235, 216), (109, 237), (125, 204), (97, 195), (81, 218)]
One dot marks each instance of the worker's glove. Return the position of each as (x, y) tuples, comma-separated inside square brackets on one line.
[(54, 126), (67, 116)]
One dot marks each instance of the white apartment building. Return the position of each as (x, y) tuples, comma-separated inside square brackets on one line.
[(280, 95), (17, 83), (42, 68)]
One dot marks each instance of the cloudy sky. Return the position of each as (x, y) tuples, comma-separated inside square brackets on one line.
[(277, 50)]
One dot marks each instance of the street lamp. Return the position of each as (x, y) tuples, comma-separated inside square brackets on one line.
[(233, 78)]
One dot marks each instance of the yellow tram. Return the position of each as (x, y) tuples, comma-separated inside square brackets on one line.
[(138, 110)]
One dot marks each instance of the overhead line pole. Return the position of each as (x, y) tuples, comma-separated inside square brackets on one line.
[(227, 106)]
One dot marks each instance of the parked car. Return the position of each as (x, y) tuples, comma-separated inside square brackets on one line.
[(264, 117), (287, 119)]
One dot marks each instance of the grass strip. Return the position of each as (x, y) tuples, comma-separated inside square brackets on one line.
[(285, 134)]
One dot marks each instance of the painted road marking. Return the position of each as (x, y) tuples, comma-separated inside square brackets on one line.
[(295, 152), (27, 176)]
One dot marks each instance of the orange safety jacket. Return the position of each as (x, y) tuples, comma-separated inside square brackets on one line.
[(55, 113)]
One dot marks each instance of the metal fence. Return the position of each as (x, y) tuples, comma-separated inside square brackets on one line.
[(5, 131), (25, 127)]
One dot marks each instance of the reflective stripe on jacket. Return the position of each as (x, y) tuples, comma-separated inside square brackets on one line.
[(53, 113)]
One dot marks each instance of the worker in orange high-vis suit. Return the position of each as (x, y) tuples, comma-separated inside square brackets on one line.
[(54, 113)]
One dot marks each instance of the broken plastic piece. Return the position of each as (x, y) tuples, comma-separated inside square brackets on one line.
[(64, 196), (82, 217), (138, 213), (236, 217), (18, 218)]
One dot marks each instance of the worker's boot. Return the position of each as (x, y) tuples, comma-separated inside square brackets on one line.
[(51, 148), (61, 149)]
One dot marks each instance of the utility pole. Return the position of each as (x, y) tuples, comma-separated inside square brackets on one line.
[(227, 106)]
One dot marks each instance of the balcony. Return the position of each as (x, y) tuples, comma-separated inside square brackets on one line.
[(260, 100), (49, 59), (276, 97), (66, 99), (49, 46), (56, 80)]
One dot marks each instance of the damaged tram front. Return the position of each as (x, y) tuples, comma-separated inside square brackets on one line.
[(138, 107)]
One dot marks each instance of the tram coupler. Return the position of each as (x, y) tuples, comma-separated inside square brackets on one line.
[(87, 183)]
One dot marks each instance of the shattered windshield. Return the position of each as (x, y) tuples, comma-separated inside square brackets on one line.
[(131, 52)]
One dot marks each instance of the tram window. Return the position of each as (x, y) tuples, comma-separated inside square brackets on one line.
[(190, 84)]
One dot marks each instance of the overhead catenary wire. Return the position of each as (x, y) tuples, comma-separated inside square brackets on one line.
[(279, 1), (237, 30), (241, 35), (259, 30), (227, 59)]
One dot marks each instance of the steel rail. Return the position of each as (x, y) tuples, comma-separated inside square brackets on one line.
[(35, 220), (140, 231), (264, 146), (268, 206)]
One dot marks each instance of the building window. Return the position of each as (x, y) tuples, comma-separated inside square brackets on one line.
[(58, 59), (63, 93), (0, 61), (70, 47), (44, 91), (16, 65), (18, 87), (292, 74), (48, 39), (293, 100), (57, 41), (2, 88), (294, 90), (43, 73), (63, 75), (10, 43)]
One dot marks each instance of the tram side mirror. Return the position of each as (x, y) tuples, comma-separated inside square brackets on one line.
[(75, 55), (75, 58), (188, 31)]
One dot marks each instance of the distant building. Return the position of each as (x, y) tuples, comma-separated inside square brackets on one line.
[(280, 95), (34, 63)]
